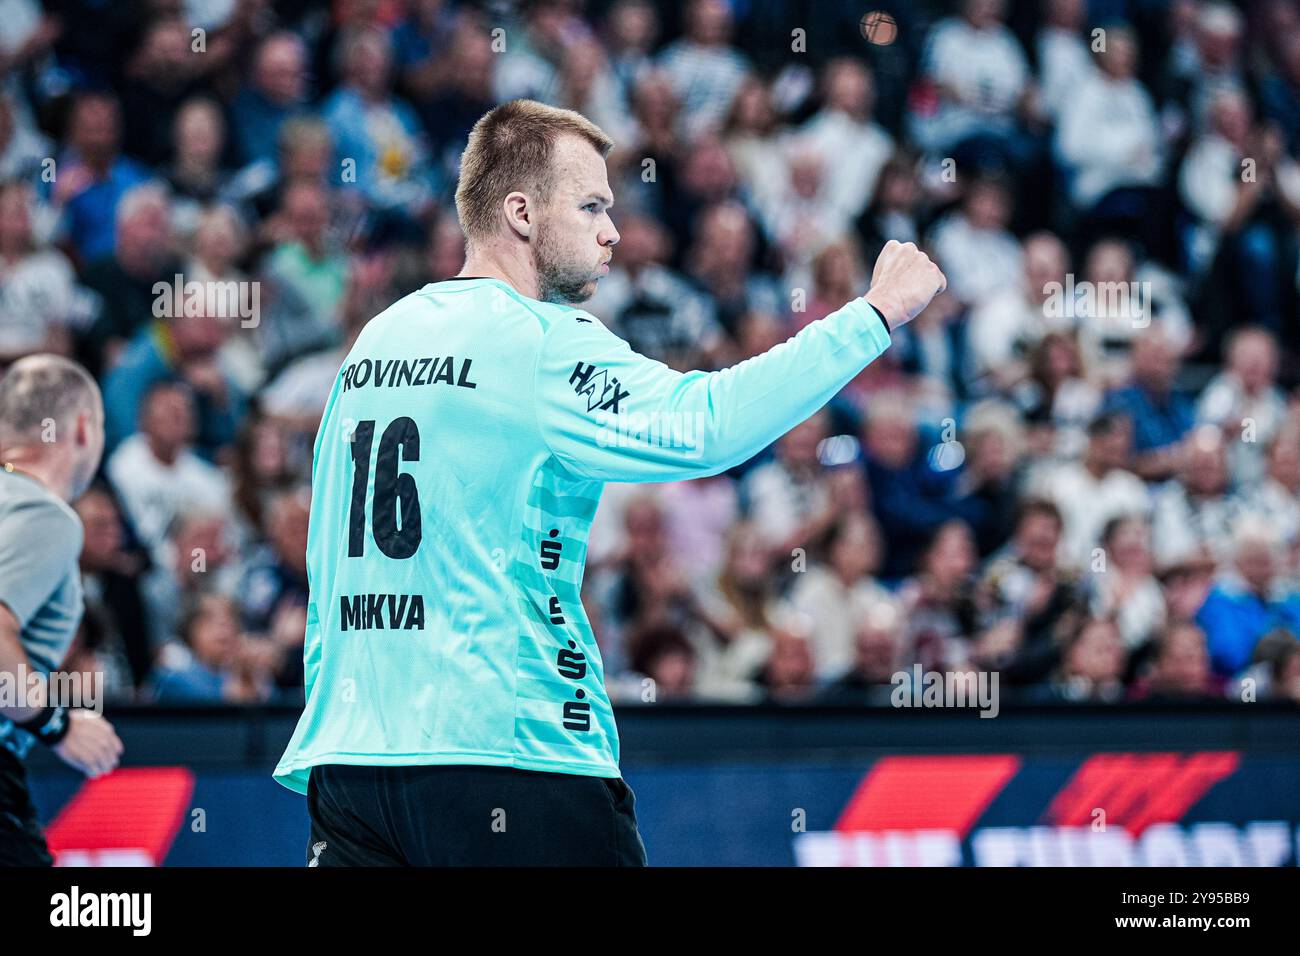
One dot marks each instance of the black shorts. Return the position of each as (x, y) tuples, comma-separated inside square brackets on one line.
[(469, 816), (21, 840)]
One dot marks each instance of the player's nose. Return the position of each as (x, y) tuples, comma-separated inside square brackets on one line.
[(609, 236)]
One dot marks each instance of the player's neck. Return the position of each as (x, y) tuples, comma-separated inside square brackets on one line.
[(520, 276)]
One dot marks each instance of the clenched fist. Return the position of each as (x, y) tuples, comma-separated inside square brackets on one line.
[(903, 283)]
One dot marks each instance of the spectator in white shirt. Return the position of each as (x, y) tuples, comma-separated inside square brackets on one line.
[(39, 294), (1245, 402), (1108, 136), (1005, 328), (156, 475), (1117, 302), (1276, 499), (843, 129), (750, 136), (1091, 492), (1124, 587), (1194, 511), (973, 247), (980, 75), (837, 595), (1064, 62)]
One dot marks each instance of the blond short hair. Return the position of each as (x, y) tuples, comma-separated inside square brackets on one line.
[(511, 148)]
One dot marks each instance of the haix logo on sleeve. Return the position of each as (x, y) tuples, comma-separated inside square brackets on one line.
[(602, 391)]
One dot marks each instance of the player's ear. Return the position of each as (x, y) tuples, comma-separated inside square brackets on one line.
[(519, 213)]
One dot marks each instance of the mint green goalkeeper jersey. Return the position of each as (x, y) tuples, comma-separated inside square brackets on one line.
[(457, 470)]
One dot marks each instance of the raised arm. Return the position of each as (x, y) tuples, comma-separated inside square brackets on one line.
[(611, 414)]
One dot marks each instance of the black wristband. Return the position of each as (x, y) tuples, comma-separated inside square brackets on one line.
[(880, 315), (50, 726)]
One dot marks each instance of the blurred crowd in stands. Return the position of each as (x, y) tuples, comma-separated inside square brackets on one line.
[(1079, 468)]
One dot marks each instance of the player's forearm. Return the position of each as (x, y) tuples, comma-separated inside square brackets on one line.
[(746, 407)]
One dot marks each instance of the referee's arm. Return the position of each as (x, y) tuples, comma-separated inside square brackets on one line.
[(13, 663), (39, 543)]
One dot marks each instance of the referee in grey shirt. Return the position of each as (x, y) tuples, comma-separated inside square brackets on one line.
[(51, 439)]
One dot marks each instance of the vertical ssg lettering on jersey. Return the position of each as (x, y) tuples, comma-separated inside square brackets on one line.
[(570, 663)]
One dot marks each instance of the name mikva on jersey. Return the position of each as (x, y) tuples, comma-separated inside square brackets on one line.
[(379, 612), (390, 373)]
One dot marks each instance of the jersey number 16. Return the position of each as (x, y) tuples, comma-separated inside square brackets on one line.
[(393, 490)]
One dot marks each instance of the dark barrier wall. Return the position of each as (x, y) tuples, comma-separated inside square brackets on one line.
[(1062, 785)]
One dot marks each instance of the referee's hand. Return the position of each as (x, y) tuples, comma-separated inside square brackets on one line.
[(903, 283), (91, 746)]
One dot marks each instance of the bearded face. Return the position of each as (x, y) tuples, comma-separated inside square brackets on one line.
[(567, 270)]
